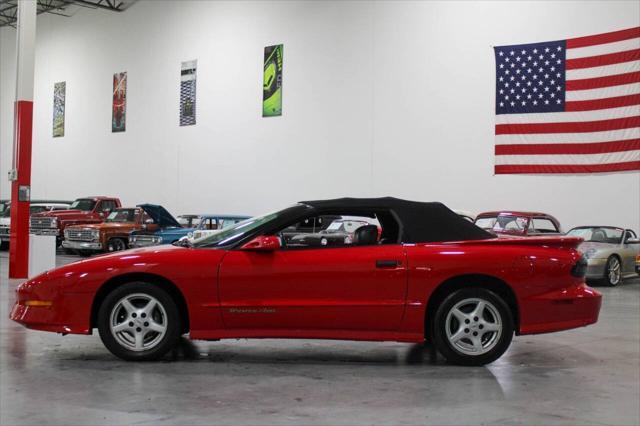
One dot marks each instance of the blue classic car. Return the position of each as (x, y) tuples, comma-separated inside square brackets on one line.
[(174, 231)]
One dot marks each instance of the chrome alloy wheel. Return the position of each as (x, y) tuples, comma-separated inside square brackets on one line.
[(138, 322), (614, 271), (473, 326), (116, 244)]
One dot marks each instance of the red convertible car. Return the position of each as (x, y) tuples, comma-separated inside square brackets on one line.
[(428, 275)]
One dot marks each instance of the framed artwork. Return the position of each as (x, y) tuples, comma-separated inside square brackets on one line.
[(272, 81), (119, 115), (188, 93), (59, 95)]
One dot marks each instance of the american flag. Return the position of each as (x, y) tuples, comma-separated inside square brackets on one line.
[(569, 106)]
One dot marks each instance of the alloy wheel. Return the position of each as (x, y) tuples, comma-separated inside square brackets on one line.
[(138, 322), (473, 326), (614, 271)]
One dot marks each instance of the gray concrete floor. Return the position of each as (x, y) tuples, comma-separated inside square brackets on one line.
[(588, 376)]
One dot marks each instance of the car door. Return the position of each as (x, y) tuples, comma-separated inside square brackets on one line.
[(628, 253), (330, 288)]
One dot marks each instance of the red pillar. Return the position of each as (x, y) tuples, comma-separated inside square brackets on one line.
[(23, 125), (19, 238)]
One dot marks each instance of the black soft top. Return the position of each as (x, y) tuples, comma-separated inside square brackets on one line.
[(419, 222)]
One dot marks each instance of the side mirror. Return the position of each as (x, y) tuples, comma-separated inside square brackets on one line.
[(632, 241), (262, 243)]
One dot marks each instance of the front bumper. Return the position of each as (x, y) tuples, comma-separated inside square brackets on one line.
[(45, 231), (82, 245), (572, 307), (69, 314)]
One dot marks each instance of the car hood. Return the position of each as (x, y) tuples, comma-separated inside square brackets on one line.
[(105, 225), (596, 250), (160, 215), (61, 214)]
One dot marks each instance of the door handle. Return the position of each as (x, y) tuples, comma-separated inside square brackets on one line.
[(387, 263)]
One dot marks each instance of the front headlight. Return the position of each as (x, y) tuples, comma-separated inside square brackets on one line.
[(54, 222), (589, 253), (133, 239), (157, 239), (66, 233), (95, 234)]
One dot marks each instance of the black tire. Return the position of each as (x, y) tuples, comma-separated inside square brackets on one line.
[(608, 279), (116, 244), (69, 251), (495, 348), (84, 253), (163, 345)]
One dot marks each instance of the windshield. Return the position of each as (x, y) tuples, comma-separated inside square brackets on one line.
[(598, 234), (234, 233), (122, 215), (83, 204)]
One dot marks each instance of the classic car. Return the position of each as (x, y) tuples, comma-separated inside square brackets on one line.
[(188, 220), (110, 235), (431, 275), (34, 207), (170, 233), (611, 252), (340, 232), (518, 223), (212, 223), (82, 211)]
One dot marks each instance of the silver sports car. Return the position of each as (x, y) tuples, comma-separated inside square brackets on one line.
[(612, 253)]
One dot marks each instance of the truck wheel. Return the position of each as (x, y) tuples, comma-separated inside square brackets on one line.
[(116, 244), (139, 322), (472, 326)]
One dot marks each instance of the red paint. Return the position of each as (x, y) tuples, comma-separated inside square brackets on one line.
[(332, 293), (19, 234), (604, 103), (610, 37), (568, 168)]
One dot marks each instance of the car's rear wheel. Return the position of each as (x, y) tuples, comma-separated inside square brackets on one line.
[(472, 326), (116, 244), (139, 322), (613, 271)]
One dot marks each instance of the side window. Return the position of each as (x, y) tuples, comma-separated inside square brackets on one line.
[(340, 231), (107, 205), (542, 226), (629, 234)]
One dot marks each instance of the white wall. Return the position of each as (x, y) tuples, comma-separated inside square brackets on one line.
[(380, 98)]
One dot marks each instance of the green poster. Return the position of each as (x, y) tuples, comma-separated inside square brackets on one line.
[(272, 82)]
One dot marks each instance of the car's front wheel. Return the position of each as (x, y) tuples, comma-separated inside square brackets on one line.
[(139, 322), (613, 271), (472, 326)]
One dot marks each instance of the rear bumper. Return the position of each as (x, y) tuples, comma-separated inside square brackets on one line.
[(82, 245), (572, 307)]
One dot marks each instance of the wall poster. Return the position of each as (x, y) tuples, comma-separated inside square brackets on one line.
[(118, 119), (272, 81), (188, 93), (59, 94)]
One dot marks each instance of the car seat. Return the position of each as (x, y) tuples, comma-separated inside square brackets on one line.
[(366, 235)]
